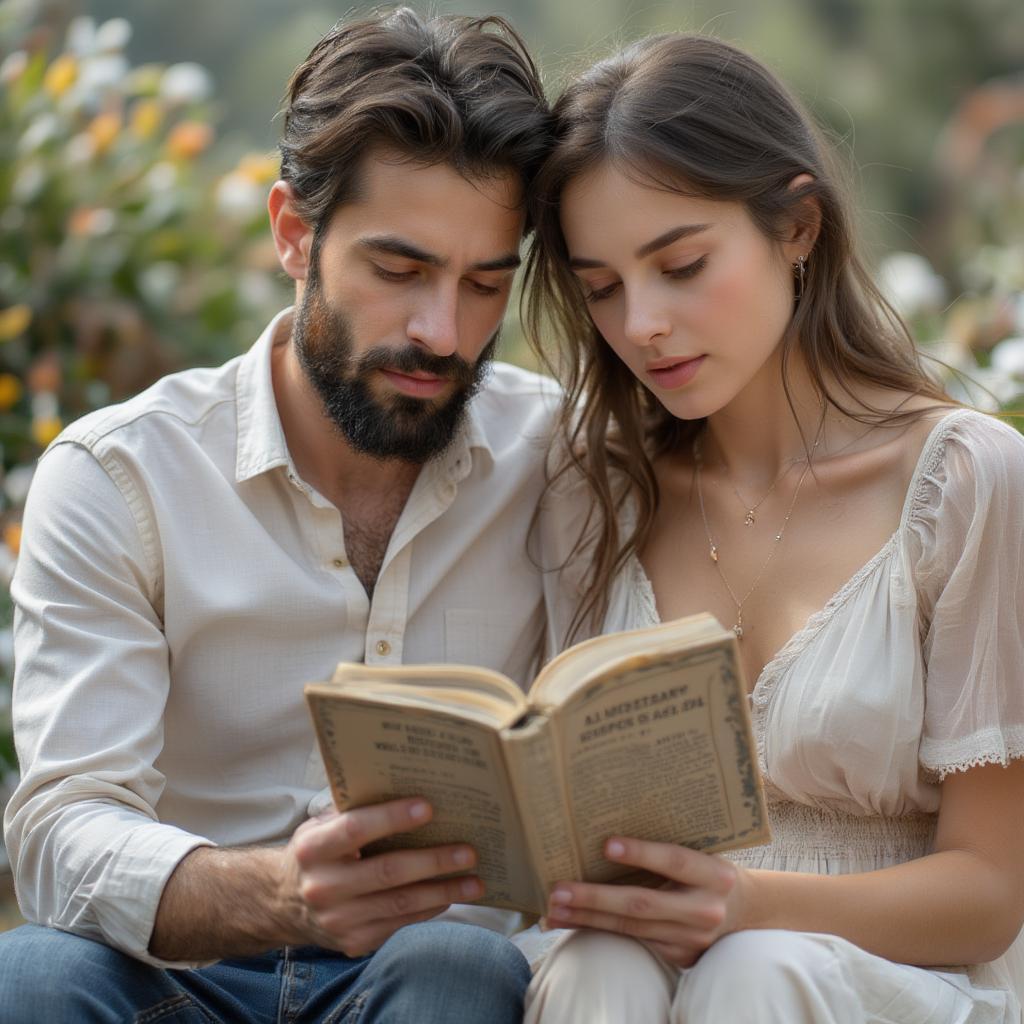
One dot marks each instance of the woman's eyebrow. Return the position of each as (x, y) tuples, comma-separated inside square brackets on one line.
[(667, 238)]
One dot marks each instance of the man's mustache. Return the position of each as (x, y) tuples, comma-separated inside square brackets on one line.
[(411, 359)]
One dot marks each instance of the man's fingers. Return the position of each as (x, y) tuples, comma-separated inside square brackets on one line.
[(380, 910), (334, 882), (343, 835)]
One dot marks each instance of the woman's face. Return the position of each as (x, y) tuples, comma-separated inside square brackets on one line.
[(690, 294)]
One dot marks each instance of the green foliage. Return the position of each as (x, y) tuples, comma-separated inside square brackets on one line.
[(124, 252)]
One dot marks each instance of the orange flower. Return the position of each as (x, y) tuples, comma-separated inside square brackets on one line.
[(260, 168), (103, 130), (61, 75), (10, 391), (45, 429), (146, 118), (12, 537), (188, 139), (44, 375), (14, 320)]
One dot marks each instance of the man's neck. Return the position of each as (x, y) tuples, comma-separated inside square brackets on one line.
[(370, 493)]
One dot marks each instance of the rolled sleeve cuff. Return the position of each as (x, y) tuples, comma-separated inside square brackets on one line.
[(119, 905)]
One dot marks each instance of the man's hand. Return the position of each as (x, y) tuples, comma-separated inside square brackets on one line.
[(354, 903), (316, 890)]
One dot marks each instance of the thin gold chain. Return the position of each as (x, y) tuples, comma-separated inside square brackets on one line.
[(713, 548)]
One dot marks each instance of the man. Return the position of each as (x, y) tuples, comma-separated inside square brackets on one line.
[(193, 557)]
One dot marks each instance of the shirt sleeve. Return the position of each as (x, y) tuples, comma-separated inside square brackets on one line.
[(970, 573), (91, 682)]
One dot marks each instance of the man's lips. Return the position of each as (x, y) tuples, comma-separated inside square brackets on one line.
[(672, 371), (418, 383)]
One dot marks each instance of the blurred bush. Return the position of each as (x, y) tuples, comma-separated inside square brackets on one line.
[(124, 252)]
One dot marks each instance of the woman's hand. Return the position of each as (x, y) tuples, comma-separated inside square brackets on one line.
[(701, 900)]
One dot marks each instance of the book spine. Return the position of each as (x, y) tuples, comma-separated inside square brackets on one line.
[(533, 768)]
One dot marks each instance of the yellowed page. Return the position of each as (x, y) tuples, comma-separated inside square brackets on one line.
[(534, 771), (662, 749), (378, 751)]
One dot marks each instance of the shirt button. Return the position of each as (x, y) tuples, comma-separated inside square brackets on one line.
[(339, 563), (383, 648)]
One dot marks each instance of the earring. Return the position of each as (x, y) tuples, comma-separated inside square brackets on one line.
[(800, 272)]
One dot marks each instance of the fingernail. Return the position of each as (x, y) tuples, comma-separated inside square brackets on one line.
[(419, 810), (561, 896), (616, 849), (463, 857), (470, 888)]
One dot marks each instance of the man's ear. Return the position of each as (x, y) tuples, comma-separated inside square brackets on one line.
[(805, 221), (293, 237)]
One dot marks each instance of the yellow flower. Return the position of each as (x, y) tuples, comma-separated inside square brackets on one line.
[(260, 168), (10, 391), (103, 130), (188, 139), (45, 429), (14, 320), (146, 118), (61, 75), (12, 537)]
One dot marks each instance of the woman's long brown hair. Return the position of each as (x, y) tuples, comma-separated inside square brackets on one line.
[(696, 116)]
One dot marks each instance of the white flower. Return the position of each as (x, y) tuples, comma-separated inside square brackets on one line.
[(113, 35), (908, 281), (161, 177), (159, 281), (13, 66), (239, 197), (1008, 357), (185, 83), (81, 38), (40, 131), (17, 483), (45, 406)]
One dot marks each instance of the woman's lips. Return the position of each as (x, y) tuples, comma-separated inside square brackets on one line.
[(416, 385), (675, 375)]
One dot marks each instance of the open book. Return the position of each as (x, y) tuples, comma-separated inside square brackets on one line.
[(644, 733)]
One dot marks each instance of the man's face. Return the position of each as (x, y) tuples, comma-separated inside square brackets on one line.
[(398, 318)]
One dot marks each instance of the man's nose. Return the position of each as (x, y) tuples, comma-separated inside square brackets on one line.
[(434, 322)]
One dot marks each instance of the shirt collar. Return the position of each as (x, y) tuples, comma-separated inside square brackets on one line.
[(261, 441)]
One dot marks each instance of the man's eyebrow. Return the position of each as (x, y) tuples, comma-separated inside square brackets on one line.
[(392, 245), (670, 236)]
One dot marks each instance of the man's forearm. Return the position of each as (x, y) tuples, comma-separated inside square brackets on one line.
[(227, 902)]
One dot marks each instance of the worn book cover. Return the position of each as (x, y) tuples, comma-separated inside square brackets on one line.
[(644, 733)]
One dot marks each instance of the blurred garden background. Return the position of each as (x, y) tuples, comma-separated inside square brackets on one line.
[(137, 144)]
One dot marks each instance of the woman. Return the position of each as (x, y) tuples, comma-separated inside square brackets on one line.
[(758, 439)]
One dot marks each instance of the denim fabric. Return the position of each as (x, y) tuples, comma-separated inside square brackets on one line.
[(424, 974)]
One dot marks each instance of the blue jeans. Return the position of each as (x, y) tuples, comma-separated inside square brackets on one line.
[(424, 974)]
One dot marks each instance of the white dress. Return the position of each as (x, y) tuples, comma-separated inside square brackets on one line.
[(914, 669)]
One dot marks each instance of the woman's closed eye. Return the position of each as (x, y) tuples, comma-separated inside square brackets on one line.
[(688, 269)]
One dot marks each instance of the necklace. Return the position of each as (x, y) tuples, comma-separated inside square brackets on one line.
[(749, 519), (698, 463)]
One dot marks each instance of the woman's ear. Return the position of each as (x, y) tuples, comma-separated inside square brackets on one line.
[(804, 222), (293, 238)]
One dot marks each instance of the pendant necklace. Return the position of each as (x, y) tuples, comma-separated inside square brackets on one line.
[(713, 548), (749, 519)]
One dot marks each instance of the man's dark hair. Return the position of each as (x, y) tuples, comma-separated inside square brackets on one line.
[(447, 89)]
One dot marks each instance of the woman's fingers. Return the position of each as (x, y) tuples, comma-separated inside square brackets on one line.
[(675, 863)]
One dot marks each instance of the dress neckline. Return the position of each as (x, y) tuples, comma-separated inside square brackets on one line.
[(783, 658)]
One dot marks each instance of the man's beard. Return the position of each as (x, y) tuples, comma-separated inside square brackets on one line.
[(398, 426)]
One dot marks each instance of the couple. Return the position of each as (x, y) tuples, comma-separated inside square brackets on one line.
[(745, 429)]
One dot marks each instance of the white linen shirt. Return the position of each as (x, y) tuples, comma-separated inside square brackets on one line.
[(178, 583)]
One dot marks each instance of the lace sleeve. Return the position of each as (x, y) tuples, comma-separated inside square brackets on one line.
[(969, 524)]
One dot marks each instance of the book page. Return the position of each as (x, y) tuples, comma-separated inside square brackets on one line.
[(376, 752), (662, 750)]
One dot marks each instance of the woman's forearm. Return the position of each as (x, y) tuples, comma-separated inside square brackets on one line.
[(952, 907)]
